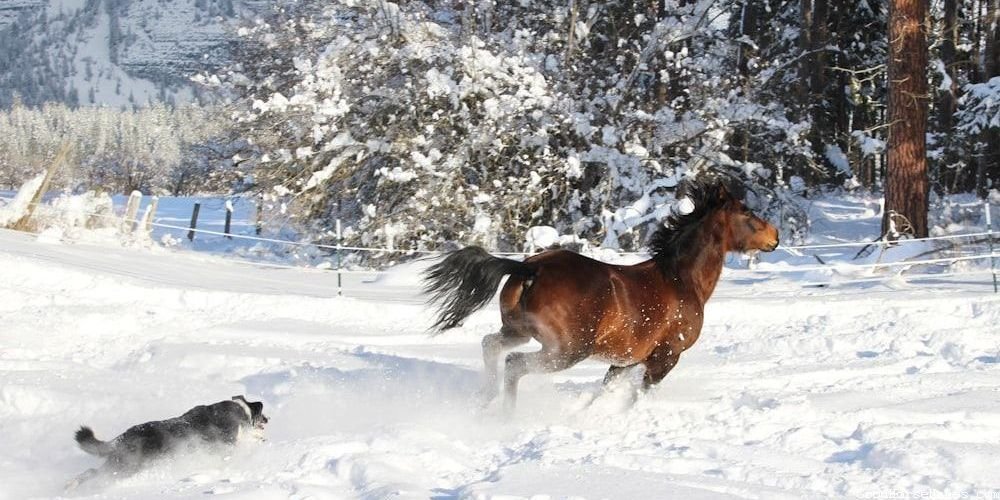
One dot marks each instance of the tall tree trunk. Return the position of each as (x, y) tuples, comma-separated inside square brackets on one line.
[(991, 44), (805, 45), (906, 173), (990, 162), (571, 31), (976, 73), (748, 29), (840, 93), (807, 85), (947, 98), (822, 126), (745, 52), (949, 39), (814, 36)]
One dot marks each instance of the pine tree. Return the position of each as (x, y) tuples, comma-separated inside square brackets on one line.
[(988, 171), (906, 172)]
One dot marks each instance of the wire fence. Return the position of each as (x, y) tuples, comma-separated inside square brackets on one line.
[(840, 273)]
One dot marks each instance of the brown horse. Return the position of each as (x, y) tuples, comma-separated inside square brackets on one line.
[(577, 307)]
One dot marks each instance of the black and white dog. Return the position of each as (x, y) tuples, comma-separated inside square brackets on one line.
[(222, 423)]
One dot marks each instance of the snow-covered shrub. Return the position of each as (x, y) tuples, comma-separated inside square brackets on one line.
[(420, 125), (975, 137), (86, 216), (979, 108), (89, 210)]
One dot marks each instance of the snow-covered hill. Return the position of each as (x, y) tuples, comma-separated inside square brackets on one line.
[(113, 52), (789, 393)]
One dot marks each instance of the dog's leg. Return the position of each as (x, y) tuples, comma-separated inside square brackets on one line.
[(82, 478), (114, 468)]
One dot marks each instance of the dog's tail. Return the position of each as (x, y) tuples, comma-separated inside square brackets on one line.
[(90, 444)]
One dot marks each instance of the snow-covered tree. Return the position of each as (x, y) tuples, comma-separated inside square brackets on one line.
[(111, 150), (422, 124)]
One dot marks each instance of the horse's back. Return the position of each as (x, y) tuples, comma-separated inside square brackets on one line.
[(567, 269)]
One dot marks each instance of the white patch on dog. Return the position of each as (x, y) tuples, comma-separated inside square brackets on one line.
[(246, 408), (250, 434), (257, 434)]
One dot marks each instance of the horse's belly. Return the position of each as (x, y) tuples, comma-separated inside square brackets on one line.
[(616, 360), (621, 350)]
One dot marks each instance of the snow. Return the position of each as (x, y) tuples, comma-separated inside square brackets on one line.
[(573, 168), (980, 106), (685, 206), (439, 84), (540, 237), (482, 224), (321, 175), (397, 174), (16, 208), (837, 158), (856, 390), (946, 81)]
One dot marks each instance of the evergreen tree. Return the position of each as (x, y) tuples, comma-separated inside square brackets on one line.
[(906, 186)]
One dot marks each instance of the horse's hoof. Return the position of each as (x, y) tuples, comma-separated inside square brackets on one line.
[(508, 409), (483, 398)]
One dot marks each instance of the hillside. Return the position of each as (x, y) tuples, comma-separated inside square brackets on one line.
[(112, 52)]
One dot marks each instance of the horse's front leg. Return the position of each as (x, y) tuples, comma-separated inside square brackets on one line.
[(658, 365), (615, 373)]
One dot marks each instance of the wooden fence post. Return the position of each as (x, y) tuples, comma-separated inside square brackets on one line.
[(260, 215), (989, 236), (22, 224), (147, 218), (194, 221), (340, 241), (229, 217), (131, 209)]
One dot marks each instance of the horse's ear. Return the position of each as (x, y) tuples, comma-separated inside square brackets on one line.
[(723, 192)]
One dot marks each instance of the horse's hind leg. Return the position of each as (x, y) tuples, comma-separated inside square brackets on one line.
[(520, 364), (494, 345)]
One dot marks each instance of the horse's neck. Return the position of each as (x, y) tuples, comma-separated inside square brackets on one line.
[(701, 269)]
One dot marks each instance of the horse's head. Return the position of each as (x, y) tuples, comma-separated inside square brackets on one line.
[(746, 231), (710, 205)]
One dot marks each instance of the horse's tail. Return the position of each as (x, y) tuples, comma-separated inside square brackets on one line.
[(90, 444), (465, 281)]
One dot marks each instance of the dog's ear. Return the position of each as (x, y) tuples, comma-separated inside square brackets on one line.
[(239, 398), (257, 410)]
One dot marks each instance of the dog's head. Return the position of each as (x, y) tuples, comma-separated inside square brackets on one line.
[(257, 418)]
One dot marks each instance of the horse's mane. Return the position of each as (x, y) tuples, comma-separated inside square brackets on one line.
[(672, 241)]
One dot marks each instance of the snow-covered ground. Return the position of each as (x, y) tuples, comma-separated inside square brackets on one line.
[(874, 390)]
